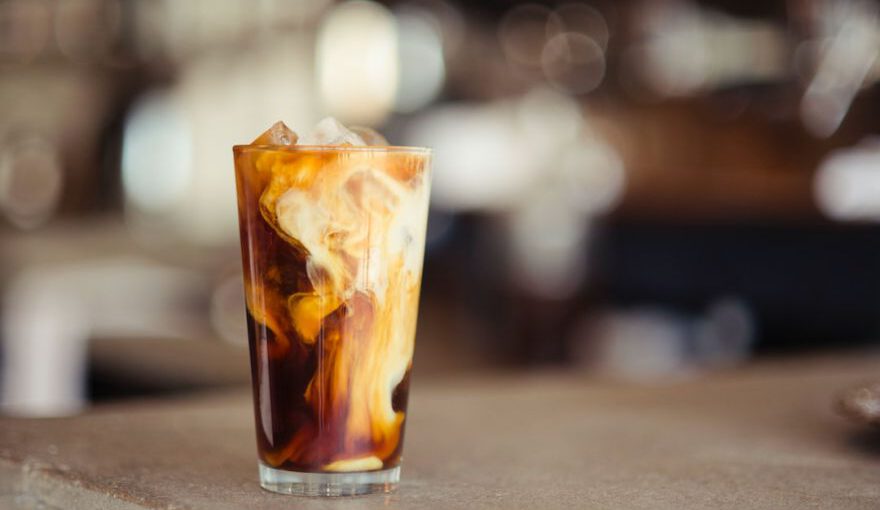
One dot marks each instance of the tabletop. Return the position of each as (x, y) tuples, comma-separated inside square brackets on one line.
[(759, 436)]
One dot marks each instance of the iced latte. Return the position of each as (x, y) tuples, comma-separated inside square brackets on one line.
[(332, 234)]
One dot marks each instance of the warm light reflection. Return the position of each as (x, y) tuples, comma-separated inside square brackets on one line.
[(357, 62)]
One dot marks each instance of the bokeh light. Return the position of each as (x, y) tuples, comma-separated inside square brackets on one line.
[(480, 161), (673, 57), (156, 155), (548, 119), (847, 182), (422, 66), (547, 242), (524, 30), (357, 62), (583, 19), (573, 62), (845, 60), (31, 180), (592, 178), (683, 49)]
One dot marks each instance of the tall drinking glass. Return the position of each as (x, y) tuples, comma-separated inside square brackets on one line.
[(332, 244)]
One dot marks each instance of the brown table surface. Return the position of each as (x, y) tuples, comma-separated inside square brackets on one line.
[(762, 436)]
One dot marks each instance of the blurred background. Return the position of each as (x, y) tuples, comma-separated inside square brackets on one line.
[(640, 190)]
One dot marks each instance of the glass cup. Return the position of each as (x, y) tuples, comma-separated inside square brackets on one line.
[(332, 241)]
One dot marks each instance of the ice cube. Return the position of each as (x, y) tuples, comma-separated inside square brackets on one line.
[(278, 134), (369, 135), (331, 132)]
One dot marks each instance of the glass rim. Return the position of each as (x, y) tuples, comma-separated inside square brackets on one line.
[(333, 148)]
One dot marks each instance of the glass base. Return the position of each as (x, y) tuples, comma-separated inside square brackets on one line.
[(329, 484)]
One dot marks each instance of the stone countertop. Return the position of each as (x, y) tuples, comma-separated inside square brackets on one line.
[(762, 436)]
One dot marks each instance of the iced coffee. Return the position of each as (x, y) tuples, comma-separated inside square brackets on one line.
[(332, 233)]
